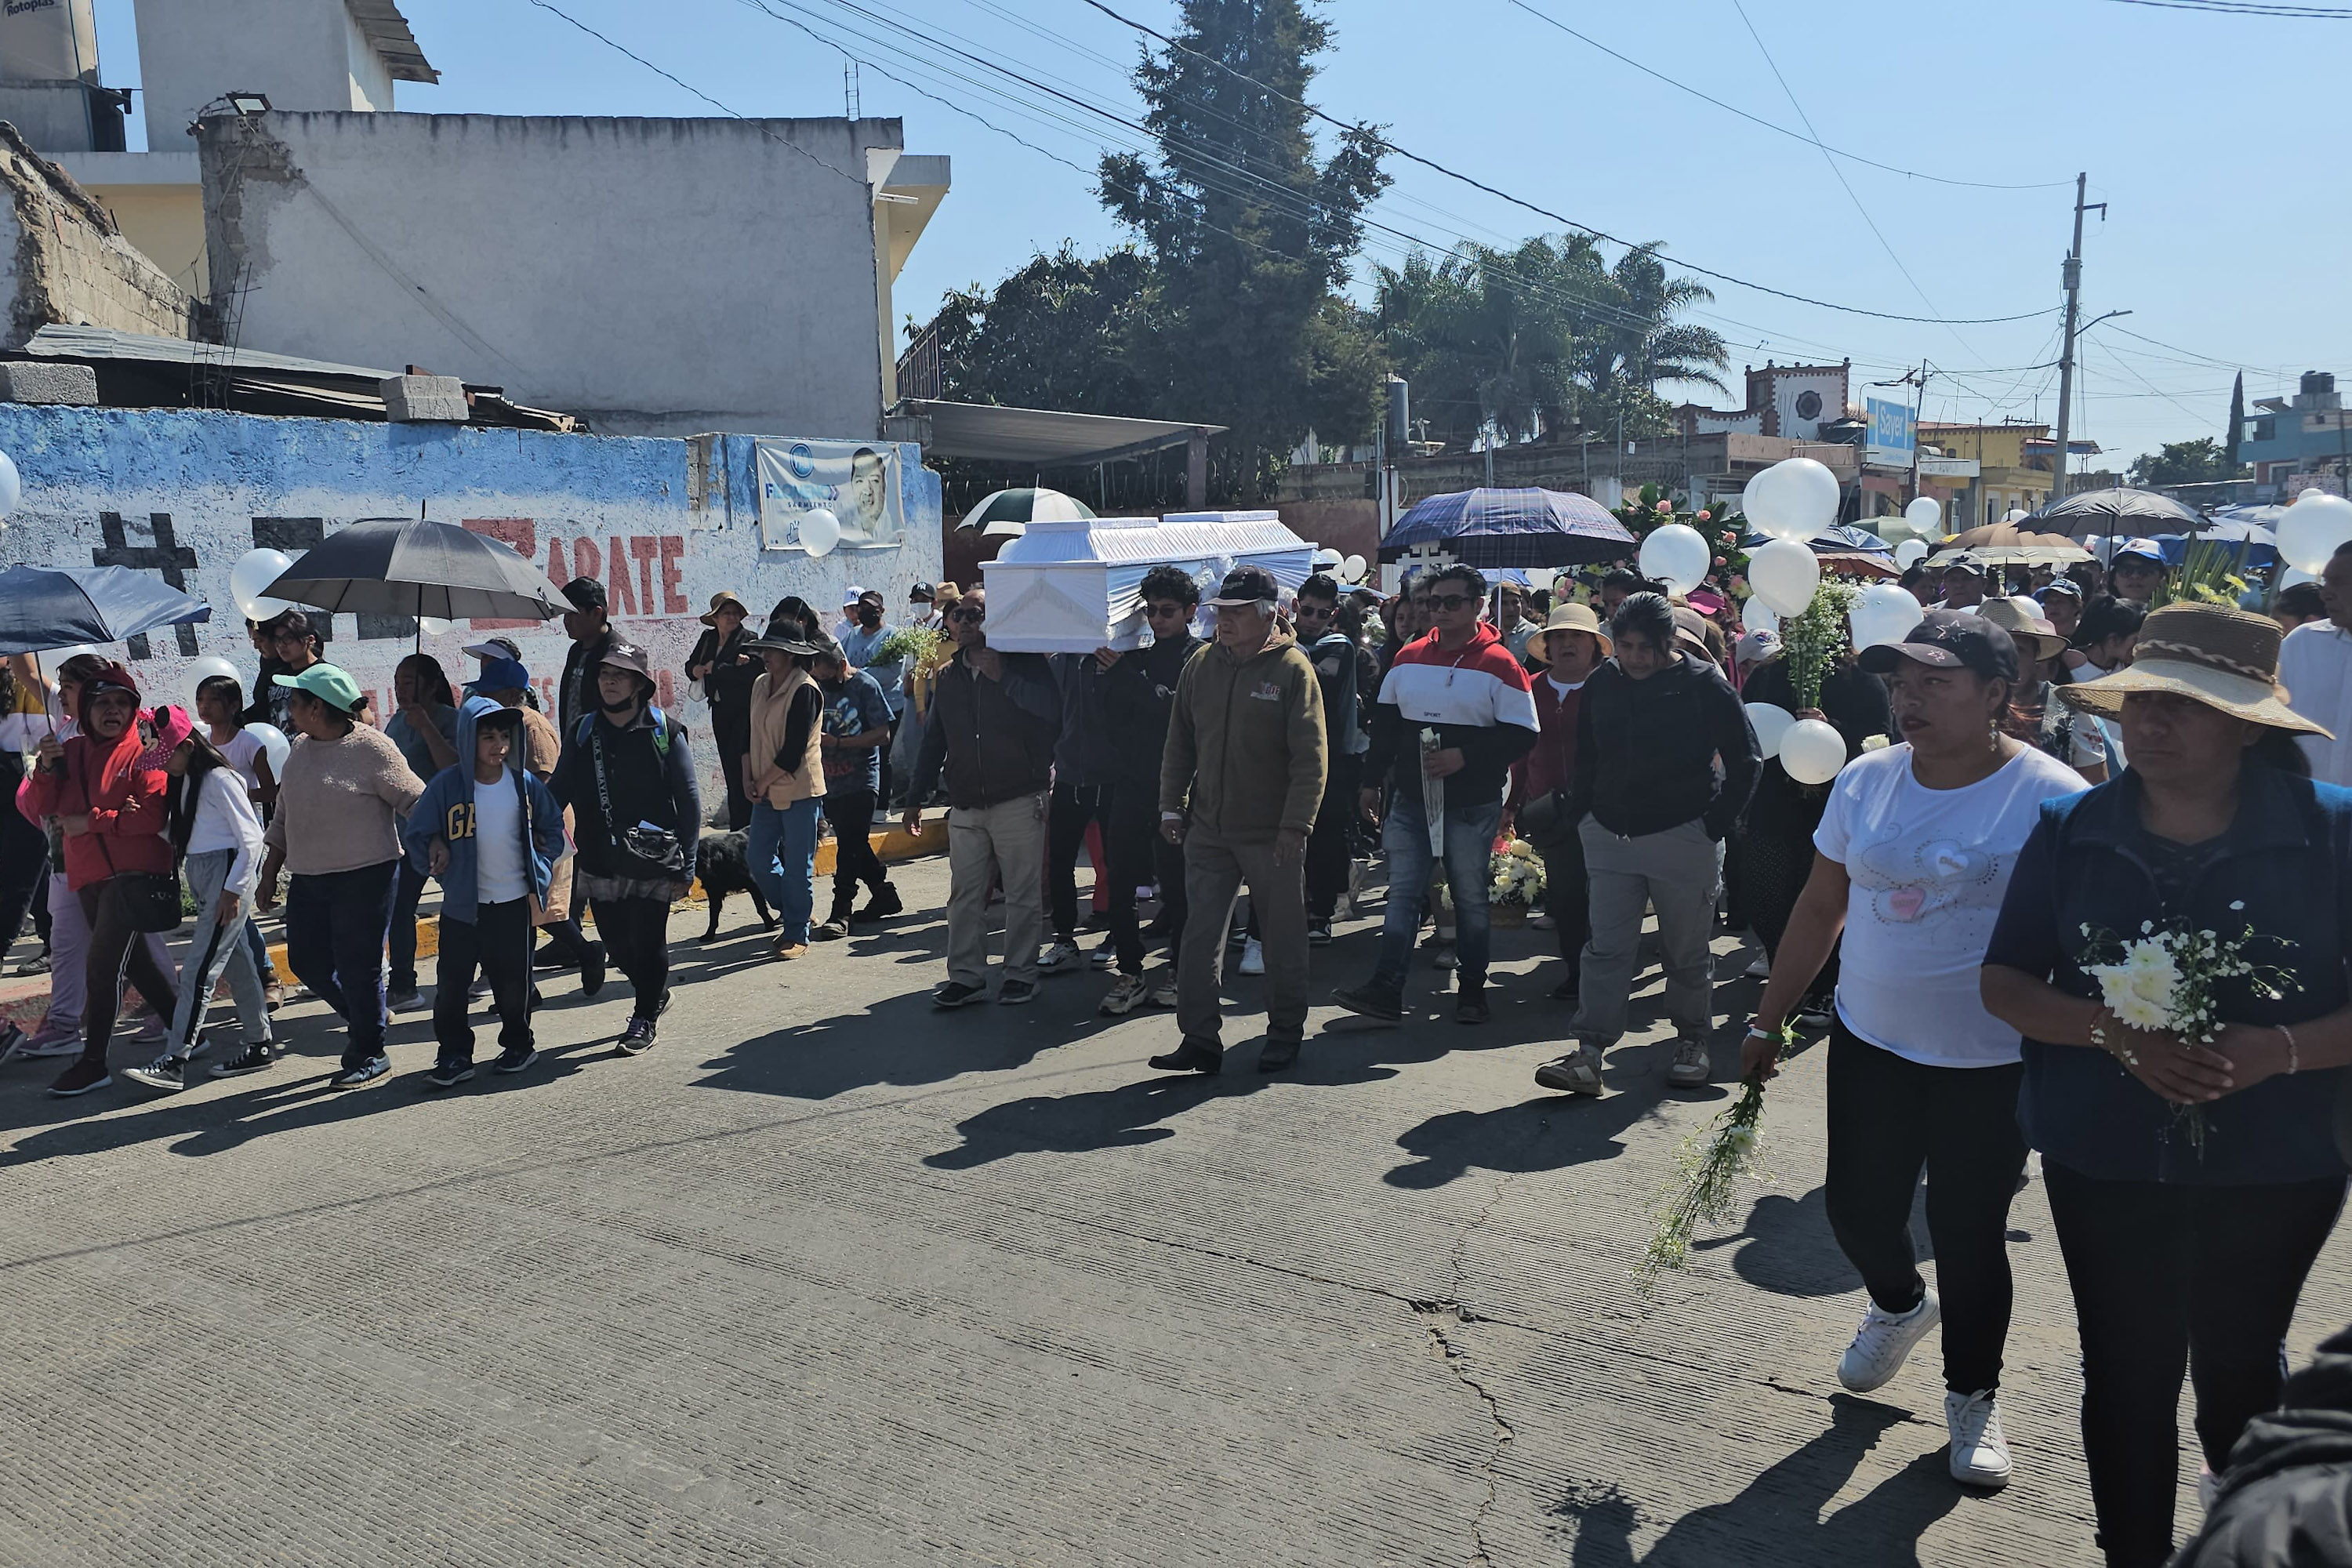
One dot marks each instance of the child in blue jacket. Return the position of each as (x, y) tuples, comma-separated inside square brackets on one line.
[(492, 834)]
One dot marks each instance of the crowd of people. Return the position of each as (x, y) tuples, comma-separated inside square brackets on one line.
[(2042, 757)]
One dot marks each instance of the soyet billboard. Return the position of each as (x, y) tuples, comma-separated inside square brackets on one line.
[(1893, 434)]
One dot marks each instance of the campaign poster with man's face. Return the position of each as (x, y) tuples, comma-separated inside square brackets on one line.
[(857, 482)]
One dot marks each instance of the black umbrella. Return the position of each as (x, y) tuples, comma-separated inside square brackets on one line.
[(407, 566), (2118, 510), (58, 606)]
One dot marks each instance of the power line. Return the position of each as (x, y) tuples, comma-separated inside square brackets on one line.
[(1541, 211), (1804, 136), (2246, 8)]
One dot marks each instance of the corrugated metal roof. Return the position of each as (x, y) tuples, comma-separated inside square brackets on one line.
[(105, 343), (387, 30), (1044, 436)]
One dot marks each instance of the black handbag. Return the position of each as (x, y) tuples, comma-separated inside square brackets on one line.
[(658, 848), (150, 900)]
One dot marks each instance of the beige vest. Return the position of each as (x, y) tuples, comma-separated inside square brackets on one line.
[(769, 709)]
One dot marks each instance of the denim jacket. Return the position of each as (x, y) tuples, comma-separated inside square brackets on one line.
[(2286, 871)]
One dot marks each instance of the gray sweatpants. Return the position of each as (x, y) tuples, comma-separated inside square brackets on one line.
[(1214, 869), (1679, 871), (1005, 842), (213, 949)]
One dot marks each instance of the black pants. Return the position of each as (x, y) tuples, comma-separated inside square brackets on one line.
[(1774, 864), (1139, 856), (636, 941), (1333, 843), (1073, 809), (851, 812), (1566, 897), (402, 938), (886, 783), (24, 873), (116, 950), (497, 942), (730, 738), (1888, 1119), (2167, 1278)]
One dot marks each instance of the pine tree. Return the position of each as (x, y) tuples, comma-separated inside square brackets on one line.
[(2237, 422), (1252, 231)]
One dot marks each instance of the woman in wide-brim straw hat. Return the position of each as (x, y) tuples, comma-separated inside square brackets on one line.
[(2193, 1181)]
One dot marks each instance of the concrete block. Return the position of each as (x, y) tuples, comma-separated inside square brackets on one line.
[(425, 399), (44, 381)]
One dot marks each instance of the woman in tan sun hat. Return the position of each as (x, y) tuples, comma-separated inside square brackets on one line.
[(2192, 1181), (726, 669), (2035, 715)]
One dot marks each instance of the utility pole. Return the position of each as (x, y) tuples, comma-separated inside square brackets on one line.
[(2072, 275)]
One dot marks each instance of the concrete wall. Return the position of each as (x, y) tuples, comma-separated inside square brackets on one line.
[(302, 54), (661, 276), (664, 523), (62, 262)]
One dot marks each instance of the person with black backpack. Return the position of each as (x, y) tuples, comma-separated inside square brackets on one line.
[(629, 780)]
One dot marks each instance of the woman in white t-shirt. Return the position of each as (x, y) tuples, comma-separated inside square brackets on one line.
[(1912, 857)]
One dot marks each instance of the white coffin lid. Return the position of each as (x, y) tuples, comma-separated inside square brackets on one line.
[(1145, 540)]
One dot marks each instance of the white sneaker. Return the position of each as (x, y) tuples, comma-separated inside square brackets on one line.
[(1128, 993), (1058, 956), (1883, 1341), (1693, 1065), (1979, 1451), (1252, 957), (1163, 986)]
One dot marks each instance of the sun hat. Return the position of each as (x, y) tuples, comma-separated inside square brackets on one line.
[(792, 645), (1568, 619), (2225, 658), (330, 685), (723, 597), (492, 649), (171, 726), (502, 675), (1690, 630), (1247, 585), (1948, 640), (2021, 620)]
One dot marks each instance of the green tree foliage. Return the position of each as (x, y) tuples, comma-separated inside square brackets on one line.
[(1053, 335), (1252, 231), (2201, 461), (2237, 420)]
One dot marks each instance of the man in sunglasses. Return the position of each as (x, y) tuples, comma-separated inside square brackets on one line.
[(1333, 653), (992, 724), (1459, 687), (1138, 689)]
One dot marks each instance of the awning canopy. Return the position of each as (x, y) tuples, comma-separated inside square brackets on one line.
[(1045, 438)]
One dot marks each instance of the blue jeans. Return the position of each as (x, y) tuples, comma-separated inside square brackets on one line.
[(1469, 852), (335, 926), (782, 851)]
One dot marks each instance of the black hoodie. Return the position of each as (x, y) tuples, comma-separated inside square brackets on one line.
[(2286, 1498)]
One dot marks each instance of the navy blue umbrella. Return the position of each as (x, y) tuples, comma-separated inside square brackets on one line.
[(44, 607), (1494, 527)]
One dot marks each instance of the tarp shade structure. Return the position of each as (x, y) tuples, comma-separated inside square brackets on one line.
[(1527, 527), (2120, 509), (408, 566), (1046, 437), (44, 607)]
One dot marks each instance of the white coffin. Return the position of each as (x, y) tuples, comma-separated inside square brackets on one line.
[(1073, 587)]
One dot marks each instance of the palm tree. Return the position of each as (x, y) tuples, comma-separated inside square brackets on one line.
[(1641, 344)]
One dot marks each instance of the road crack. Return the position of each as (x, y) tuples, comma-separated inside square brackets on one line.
[(1436, 1318)]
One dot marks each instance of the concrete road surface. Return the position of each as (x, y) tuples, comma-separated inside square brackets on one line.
[(830, 1278)]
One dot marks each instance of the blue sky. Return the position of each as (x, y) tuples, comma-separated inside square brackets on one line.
[(2211, 137)]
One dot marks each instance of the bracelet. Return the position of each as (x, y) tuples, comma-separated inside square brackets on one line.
[(2294, 1061)]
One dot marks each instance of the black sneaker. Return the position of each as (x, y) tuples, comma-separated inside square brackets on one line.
[(1470, 1005), (954, 993), (544, 956), (1014, 993), (591, 970), (1365, 1001), (882, 905), (85, 1075), (11, 1037), (258, 1058), (664, 1003), (1192, 1056), (1277, 1055), (515, 1059), (1318, 933), (449, 1074), (833, 929), (637, 1039), (372, 1070), (166, 1075), (1569, 990)]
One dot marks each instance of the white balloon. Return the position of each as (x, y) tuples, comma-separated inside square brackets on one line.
[(1883, 613), (1784, 575), (1795, 499), (1910, 552), (2295, 574), (1771, 723), (255, 571), (1812, 751), (274, 746), (2312, 528), (820, 530), (12, 485), (48, 659), (200, 670), (1759, 617), (2015, 514), (1926, 514), (1352, 568), (433, 626), (1676, 555)]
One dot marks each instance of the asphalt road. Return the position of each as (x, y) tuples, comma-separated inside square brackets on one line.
[(829, 1279)]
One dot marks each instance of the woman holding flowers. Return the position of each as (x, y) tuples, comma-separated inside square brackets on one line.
[(1911, 859), (2173, 950)]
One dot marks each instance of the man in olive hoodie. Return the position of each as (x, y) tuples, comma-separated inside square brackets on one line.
[(1239, 784)]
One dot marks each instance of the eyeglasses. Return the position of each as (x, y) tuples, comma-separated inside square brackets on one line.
[(961, 615), (1452, 601), (1166, 609)]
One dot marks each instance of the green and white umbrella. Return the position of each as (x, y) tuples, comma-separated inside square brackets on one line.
[(1009, 513)]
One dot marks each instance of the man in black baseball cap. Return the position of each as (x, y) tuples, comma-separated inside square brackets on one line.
[(591, 632), (1949, 639)]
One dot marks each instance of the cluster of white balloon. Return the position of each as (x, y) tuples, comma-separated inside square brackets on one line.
[(2310, 533)]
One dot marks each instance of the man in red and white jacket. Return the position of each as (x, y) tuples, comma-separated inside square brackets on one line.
[(1461, 682)]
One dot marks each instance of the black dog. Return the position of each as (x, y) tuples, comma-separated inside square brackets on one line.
[(722, 863)]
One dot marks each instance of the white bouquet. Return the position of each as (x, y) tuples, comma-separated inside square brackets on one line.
[(1518, 876)]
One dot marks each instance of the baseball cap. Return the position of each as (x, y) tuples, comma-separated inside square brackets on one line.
[(586, 593), (920, 594), (1964, 561), (502, 675), (330, 685), (851, 594), (1247, 585), (1948, 640), (626, 656), (2143, 549), (2065, 587), (492, 649)]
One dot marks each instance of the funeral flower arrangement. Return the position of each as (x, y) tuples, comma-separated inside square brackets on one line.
[(1517, 876), (912, 645)]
